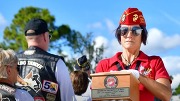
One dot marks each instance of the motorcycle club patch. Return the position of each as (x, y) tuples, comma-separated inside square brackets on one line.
[(49, 86), (111, 81), (39, 99), (50, 97), (7, 88)]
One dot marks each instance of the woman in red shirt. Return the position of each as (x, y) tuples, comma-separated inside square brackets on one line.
[(149, 70)]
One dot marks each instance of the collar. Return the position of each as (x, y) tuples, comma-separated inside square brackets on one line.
[(142, 57)]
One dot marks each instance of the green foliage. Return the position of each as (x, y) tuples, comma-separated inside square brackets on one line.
[(83, 45), (59, 33), (14, 34), (177, 90), (62, 36)]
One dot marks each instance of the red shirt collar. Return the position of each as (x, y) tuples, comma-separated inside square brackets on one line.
[(142, 57)]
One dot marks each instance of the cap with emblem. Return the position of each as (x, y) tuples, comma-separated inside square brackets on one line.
[(132, 16), (36, 26)]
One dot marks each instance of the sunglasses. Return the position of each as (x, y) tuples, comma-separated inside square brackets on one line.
[(50, 36), (135, 30)]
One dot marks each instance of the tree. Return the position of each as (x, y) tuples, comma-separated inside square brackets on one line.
[(63, 35), (83, 45), (14, 34), (177, 90)]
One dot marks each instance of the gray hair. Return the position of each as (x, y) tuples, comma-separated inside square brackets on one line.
[(7, 58)]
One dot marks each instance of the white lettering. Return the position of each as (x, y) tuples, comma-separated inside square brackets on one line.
[(29, 52), (32, 63), (22, 63), (9, 89)]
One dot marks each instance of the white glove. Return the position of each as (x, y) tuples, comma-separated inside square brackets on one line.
[(134, 72)]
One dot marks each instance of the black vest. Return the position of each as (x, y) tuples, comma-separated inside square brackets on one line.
[(7, 92), (37, 67)]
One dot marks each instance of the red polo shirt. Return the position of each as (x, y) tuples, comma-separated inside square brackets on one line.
[(151, 66)]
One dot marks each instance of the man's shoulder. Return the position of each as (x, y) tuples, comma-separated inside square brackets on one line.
[(57, 56)]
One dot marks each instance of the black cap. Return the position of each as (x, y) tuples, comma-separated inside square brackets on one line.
[(37, 26), (82, 62)]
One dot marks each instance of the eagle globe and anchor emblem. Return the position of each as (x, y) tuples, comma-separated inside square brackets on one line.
[(111, 81)]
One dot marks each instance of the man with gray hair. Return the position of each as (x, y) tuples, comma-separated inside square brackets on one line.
[(8, 78)]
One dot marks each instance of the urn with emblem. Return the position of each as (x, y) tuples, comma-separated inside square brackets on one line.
[(114, 86)]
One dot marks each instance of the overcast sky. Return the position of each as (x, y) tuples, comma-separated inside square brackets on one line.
[(102, 17)]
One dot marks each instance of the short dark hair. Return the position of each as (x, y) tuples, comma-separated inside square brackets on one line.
[(144, 34)]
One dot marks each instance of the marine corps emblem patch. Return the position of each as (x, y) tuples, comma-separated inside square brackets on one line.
[(111, 81)]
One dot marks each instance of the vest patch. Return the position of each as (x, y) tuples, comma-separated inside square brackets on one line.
[(7, 88), (50, 97), (29, 52), (31, 80), (50, 87), (5, 99), (30, 63), (39, 99)]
